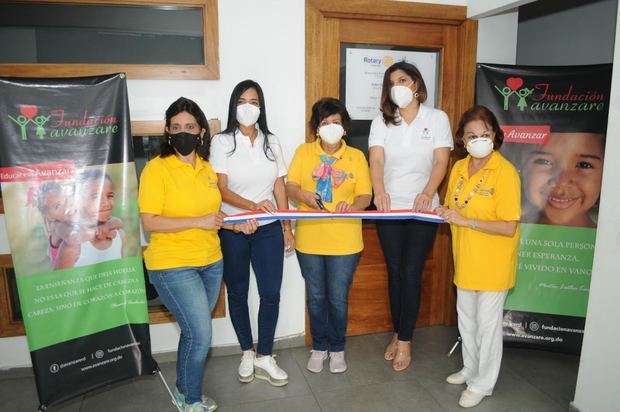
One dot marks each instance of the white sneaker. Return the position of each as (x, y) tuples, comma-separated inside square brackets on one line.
[(469, 399), (457, 378), (267, 369), (337, 364), (246, 368), (315, 363)]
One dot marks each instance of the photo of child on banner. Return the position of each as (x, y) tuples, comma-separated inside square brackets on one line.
[(76, 223), (561, 179), (67, 222), (99, 235)]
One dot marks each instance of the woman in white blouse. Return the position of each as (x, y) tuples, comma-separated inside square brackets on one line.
[(250, 167), (409, 146)]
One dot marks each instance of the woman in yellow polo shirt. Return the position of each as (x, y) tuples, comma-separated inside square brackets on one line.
[(180, 206), (327, 174), (483, 208)]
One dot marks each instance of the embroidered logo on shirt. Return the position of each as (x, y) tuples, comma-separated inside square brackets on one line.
[(211, 181), (486, 192), (426, 133)]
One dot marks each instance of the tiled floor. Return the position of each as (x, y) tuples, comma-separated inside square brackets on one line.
[(529, 381)]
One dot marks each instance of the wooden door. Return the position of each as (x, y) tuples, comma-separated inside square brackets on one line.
[(383, 22)]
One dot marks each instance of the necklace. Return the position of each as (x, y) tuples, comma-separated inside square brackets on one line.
[(474, 190)]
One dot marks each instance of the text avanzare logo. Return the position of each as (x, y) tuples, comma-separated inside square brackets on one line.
[(58, 123), (547, 97), (536, 134)]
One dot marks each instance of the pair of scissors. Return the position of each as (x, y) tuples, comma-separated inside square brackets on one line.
[(319, 202)]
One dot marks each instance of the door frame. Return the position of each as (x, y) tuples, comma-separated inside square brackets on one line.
[(323, 18)]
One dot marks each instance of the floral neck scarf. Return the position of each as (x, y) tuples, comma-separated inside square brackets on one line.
[(327, 177)]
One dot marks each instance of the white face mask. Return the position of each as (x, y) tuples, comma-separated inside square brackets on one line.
[(331, 133), (401, 95), (247, 114), (480, 147)]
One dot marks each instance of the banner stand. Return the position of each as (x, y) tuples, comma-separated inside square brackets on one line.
[(554, 120), (69, 186), (43, 408), (172, 398)]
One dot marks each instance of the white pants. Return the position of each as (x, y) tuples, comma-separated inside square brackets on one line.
[(480, 315)]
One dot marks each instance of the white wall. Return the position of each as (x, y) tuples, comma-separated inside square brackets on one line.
[(263, 41), (477, 9), (497, 38), (597, 381)]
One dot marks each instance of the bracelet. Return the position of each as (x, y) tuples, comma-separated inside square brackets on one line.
[(474, 224)]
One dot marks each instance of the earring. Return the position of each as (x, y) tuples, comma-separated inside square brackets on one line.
[(416, 95)]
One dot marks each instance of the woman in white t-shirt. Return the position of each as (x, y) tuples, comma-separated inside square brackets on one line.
[(409, 147), (250, 167)]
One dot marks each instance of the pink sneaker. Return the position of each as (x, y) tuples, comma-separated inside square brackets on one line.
[(337, 364), (315, 363)]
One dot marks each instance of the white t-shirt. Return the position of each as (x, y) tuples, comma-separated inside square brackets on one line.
[(408, 153), (250, 173)]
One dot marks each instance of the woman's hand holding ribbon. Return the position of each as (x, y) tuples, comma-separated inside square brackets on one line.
[(247, 228), (343, 207), (265, 205), (210, 221), (382, 202), (452, 216), (422, 202)]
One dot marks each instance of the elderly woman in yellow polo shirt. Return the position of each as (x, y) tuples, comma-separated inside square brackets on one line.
[(483, 208), (327, 174), (179, 204)]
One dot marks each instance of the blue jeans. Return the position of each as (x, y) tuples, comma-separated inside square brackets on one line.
[(328, 279), (265, 249), (190, 293)]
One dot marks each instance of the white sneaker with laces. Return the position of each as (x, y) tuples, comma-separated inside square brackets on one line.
[(337, 364), (266, 368), (315, 363), (469, 399), (246, 367), (457, 378)]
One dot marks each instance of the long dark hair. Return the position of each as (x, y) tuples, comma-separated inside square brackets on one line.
[(233, 125), (325, 107), (487, 117), (388, 107), (183, 104)]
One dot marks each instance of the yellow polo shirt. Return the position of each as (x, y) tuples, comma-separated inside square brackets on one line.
[(172, 188), (330, 236), (483, 261)]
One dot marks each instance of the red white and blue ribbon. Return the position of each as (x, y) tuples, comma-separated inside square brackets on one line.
[(366, 214)]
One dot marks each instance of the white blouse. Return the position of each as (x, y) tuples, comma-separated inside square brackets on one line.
[(408, 153)]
